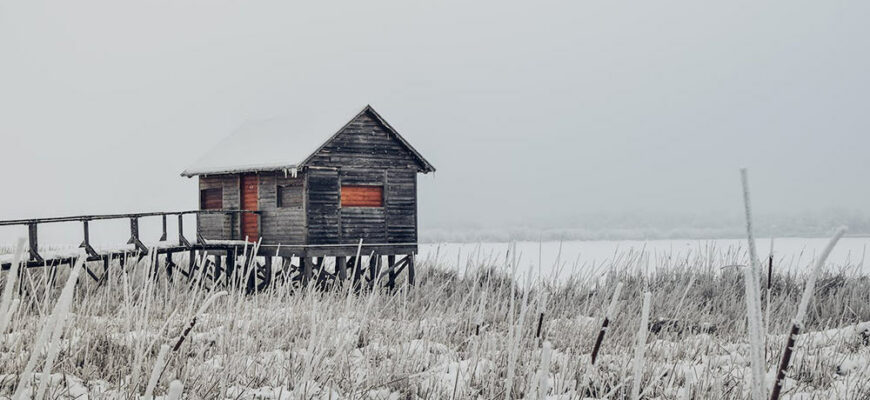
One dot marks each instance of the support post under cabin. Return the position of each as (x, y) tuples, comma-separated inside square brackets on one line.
[(391, 265), (305, 265), (411, 276), (341, 268), (374, 260), (231, 266), (218, 266)]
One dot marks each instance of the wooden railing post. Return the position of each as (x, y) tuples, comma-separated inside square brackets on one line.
[(86, 243), (163, 237), (182, 241), (34, 243), (134, 236)]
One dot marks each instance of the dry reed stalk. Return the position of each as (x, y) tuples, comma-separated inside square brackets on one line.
[(156, 372), (641, 346), (7, 304), (50, 333), (608, 316), (175, 390), (516, 338), (752, 279), (797, 323), (542, 307)]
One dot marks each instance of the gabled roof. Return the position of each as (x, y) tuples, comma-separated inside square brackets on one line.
[(284, 144)]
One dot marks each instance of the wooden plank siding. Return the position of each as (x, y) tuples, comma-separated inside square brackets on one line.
[(282, 225), (364, 143), (250, 201), (365, 153), (218, 226), (401, 206), (322, 207)]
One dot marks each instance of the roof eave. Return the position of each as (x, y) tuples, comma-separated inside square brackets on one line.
[(237, 170)]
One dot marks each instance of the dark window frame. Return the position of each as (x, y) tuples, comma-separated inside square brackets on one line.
[(204, 196), (279, 191)]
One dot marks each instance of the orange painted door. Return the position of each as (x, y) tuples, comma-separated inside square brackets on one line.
[(250, 227)]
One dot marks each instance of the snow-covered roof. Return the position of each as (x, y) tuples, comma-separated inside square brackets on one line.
[(281, 143)]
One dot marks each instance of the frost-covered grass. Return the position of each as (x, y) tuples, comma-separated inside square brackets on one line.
[(420, 342)]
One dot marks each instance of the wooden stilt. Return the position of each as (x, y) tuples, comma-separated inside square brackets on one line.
[(231, 266), (305, 266), (391, 264), (218, 266), (169, 265), (106, 275), (411, 277), (191, 264), (341, 268), (374, 261)]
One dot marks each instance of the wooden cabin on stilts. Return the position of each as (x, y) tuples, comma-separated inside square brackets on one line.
[(283, 200), (351, 196)]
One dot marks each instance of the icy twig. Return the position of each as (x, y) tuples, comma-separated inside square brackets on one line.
[(641, 346), (753, 301), (50, 332), (7, 306)]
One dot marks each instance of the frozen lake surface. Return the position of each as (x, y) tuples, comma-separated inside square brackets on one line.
[(564, 258)]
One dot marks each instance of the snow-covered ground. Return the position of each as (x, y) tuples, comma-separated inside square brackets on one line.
[(548, 258), (421, 343)]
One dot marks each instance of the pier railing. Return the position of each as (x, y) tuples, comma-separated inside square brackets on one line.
[(33, 226)]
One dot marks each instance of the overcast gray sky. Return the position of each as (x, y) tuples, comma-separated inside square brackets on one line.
[(530, 111)]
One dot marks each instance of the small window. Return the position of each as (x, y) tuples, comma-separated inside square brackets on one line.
[(289, 196), (211, 199), (362, 196)]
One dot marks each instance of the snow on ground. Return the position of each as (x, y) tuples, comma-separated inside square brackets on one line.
[(548, 258)]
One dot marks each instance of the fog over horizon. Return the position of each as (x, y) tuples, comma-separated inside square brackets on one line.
[(549, 115)]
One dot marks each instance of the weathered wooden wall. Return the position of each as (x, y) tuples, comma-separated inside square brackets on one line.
[(363, 153), (400, 202), (219, 226), (322, 206), (284, 225), (368, 223), (364, 143)]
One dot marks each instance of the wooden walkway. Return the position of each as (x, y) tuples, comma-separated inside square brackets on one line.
[(304, 265)]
